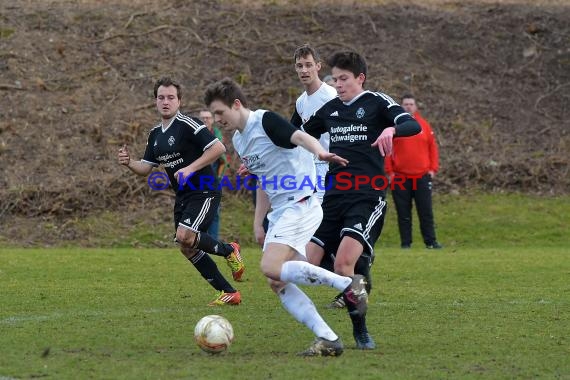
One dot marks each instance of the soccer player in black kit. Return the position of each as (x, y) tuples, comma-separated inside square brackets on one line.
[(361, 125), (185, 147)]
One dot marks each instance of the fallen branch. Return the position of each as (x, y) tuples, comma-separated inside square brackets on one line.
[(543, 96), (8, 87), (372, 24), (150, 31), (142, 107), (136, 14)]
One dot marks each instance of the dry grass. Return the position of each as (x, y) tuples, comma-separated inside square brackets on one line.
[(340, 3), (77, 83)]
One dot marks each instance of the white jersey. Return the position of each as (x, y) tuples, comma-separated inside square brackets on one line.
[(284, 171), (306, 106)]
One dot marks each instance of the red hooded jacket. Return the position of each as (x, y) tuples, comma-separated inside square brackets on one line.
[(414, 155)]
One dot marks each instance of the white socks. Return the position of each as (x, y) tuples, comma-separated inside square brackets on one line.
[(303, 273), (303, 310)]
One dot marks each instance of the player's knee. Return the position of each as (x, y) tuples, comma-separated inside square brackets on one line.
[(314, 253), (276, 286), (343, 267), (265, 269), (315, 257), (185, 237), (188, 252), (270, 270)]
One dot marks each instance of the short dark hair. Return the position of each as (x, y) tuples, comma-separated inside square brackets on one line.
[(407, 96), (304, 51), (166, 82), (204, 110), (348, 60), (225, 91)]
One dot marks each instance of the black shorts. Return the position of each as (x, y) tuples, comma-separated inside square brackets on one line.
[(361, 217), (195, 210)]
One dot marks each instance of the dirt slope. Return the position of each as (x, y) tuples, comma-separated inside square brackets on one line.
[(76, 82)]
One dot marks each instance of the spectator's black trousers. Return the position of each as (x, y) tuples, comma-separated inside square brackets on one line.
[(420, 192)]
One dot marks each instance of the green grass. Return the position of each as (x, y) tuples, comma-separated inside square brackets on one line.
[(491, 220), (494, 303), (129, 314), (469, 220)]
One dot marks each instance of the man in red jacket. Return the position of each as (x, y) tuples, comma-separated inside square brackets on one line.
[(415, 157)]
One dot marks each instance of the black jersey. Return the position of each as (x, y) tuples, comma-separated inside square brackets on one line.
[(353, 127), (182, 143)]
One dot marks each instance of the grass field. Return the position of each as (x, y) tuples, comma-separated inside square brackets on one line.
[(495, 303)]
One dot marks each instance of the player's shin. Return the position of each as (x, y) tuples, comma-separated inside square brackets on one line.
[(216, 247), (210, 272)]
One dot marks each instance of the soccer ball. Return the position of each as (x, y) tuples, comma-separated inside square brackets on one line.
[(213, 334)]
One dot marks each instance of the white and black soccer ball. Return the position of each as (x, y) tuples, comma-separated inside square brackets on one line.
[(214, 334)]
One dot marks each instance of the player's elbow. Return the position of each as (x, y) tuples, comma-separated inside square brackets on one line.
[(141, 168), (222, 147), (219, 148), (408, 128), (147, 169), (297, 138)]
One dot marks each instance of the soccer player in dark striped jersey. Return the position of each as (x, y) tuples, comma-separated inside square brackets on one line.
[(316, 94), (361, 125), (185, 147)]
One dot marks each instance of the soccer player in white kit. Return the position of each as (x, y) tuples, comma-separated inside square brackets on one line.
[(317, 93), (280, 156)]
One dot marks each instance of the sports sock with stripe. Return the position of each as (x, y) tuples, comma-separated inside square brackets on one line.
[(209, 270), (216, 247)]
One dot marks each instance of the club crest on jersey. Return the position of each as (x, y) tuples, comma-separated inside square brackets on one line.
[(360, 113), (171, 140), (248, 161)]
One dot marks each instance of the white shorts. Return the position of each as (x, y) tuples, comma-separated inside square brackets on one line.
[(294, 224)]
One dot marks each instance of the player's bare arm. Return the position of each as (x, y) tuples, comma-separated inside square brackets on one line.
[(209, 156), (262, 206), (311, 144), (137, 167)]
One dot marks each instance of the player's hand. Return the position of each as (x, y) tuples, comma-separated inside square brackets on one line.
[(243, 171), (124, 157), (183, 174), (259, 233), (331, 157), (384, 141), (431, 174)]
